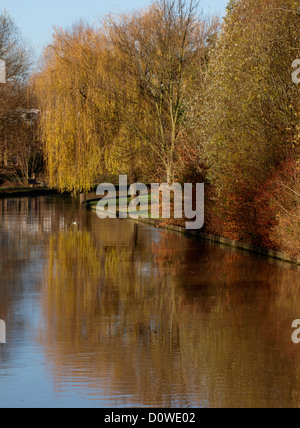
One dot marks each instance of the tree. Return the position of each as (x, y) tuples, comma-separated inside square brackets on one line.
[(14, 132), (78, 114), (112, 97), (252, 109), (159, 54)]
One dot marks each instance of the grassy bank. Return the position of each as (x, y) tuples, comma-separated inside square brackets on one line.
[(93, 204), (18, 192)]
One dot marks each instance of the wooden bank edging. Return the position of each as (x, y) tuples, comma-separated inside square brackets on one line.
[(220, 240), (225, 241)]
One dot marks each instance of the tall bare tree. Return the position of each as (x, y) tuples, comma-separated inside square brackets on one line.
[(158, 55), (14, 131)]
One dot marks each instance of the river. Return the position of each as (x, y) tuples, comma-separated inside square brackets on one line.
[(115, 313)]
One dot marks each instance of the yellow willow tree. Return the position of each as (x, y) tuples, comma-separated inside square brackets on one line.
[(76, 112), (158, 55), (111, 98)]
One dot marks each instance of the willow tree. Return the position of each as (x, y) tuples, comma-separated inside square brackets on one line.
[(72, 91), (158, 54)]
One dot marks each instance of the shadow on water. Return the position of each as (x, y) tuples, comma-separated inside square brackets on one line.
[(122, 314)]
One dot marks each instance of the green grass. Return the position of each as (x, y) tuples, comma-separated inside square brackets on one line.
[(147, 198)]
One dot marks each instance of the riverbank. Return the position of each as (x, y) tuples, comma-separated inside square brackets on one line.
[(19, 192), (213, 238), (225, 241)]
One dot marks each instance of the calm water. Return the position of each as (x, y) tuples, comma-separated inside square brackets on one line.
[(114, 313)]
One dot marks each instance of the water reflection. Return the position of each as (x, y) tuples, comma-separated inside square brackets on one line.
[(133, 316)]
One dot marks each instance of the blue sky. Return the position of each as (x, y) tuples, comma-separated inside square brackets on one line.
[(36, 18)]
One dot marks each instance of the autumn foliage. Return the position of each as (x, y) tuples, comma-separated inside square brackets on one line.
[(164, 93), (251, 125)]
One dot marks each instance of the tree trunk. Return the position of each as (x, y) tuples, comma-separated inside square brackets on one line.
[(170, 174)]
